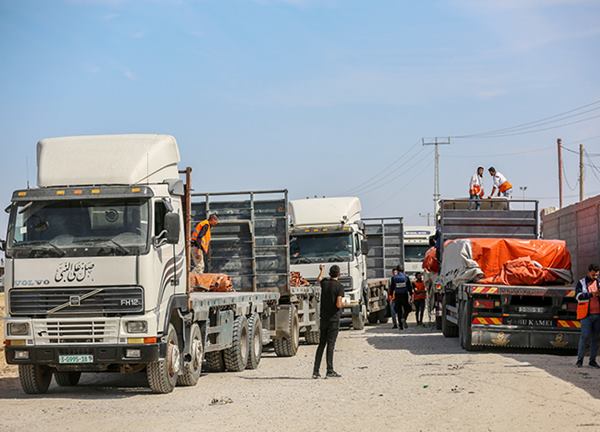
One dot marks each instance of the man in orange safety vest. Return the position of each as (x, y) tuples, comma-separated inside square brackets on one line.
[(476, 187), (201, 242), (501, 184)]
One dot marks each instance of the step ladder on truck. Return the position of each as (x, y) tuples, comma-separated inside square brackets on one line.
[(98, 261), (500, 315)]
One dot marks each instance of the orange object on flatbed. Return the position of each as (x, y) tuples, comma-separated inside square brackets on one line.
[(296, 280), (216, 282), (430, 262), (521, 262)]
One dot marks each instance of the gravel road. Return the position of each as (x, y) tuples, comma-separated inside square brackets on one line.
[(414, 381)]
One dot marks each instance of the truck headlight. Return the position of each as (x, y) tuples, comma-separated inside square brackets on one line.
[(18, 328), (136, 326)]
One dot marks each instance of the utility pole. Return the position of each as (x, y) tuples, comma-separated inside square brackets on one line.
[(560, 173), (581, 173), (426, 215), (436, 174)]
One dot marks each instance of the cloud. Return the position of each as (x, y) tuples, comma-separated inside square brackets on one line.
[(129, 74)]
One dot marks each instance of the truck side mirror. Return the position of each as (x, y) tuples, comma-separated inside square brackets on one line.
[(172, 227), (364, 247), (2, 245)]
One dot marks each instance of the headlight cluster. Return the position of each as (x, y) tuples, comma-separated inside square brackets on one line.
[(18, 328), (136, 326)]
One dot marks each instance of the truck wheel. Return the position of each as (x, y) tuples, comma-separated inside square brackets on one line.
[(236, 356), (372, 318), (382, 316), (35, 379), (193, 369), (465, 326), (288, 346), (162, 374), (312, 337), (67, 379), (358, 319), (448, 329), (255, 338), (214, 361)]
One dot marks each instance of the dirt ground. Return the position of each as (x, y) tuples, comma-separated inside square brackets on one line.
[(411, 381)]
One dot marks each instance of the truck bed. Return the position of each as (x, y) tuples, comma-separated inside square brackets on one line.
[(542, 291), (202, 300)]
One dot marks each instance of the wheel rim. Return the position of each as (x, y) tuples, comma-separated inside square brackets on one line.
[(174, 364), (197, 350), (295, 332), (244, 344), (257, 343)]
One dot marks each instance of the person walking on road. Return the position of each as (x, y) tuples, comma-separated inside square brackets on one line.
[(419, 297), (391, 300), (402, 289), (501, 184), (588, 313), (332, 293), (476, 188), (201, 242)]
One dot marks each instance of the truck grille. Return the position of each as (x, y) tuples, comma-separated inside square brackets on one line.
[(76, 332), (42, 302)]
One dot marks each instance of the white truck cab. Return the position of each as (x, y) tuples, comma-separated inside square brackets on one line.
[(330, 231), (416, 244)]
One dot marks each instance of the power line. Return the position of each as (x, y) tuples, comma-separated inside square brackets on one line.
[(533, 124), (384, 171)]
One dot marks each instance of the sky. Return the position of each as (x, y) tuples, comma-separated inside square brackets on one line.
[(320, 97)]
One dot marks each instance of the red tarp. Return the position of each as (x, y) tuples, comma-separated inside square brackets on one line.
[(210, 282), (521, 262), (296, 280), (430, 262)]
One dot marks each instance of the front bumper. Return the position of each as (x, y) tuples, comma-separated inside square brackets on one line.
[(104, 355), (507, 336)]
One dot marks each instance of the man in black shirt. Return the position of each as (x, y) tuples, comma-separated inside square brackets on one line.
[(332, 293)]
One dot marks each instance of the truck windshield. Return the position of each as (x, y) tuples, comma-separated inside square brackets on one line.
[(306, 249), (90, 227), (414, 253)]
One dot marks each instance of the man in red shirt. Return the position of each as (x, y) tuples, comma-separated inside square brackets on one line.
[(419, 297), (587, 291)]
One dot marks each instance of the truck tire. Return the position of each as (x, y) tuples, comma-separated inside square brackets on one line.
[(67, 379), (288, 346), (193, 369), (163, 373), (373, 317), (448, 329), (214, 361), (382, 316), (358, 319), (236, 356), (35, 379), (464, 330), (255, 341), (312, 337)]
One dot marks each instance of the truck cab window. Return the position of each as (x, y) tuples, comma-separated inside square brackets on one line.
[(160, 210)]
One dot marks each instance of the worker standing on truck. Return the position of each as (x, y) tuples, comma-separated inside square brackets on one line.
[(391, 299), (476, 187), (201, 242), (501, 184), (332, 293), (419, 297), (402, 289), (588, 313)]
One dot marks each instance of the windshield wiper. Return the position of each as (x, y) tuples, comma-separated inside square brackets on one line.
[(119, 246), (35, 244), (100, 241)]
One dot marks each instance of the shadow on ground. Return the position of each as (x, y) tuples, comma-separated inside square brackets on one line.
[(426, 341)]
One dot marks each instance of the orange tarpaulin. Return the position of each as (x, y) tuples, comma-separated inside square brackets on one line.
[(521, 262), (210, 282), (430, 262), (296, 280)]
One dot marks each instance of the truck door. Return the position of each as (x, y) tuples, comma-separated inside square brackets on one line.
[(168, 265)]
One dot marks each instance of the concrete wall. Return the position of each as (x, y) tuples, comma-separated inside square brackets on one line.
[(579, 226)]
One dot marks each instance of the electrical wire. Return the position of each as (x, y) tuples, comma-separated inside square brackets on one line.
[(384, 171), (523, 127)]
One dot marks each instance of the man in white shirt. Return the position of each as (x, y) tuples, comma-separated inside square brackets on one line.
[(476, 187), (501, 184)]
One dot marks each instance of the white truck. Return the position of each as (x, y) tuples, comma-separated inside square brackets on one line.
[(416, 244), (330, 231), (97, 263)]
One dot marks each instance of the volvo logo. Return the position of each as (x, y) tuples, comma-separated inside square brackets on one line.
[(74, 301)]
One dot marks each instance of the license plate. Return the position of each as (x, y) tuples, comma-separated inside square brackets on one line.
[(531, 309), (529, 322), (75, 359)]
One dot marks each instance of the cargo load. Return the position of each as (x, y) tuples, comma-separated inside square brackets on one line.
[(506, 262), (430, 262), (215, 282)]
